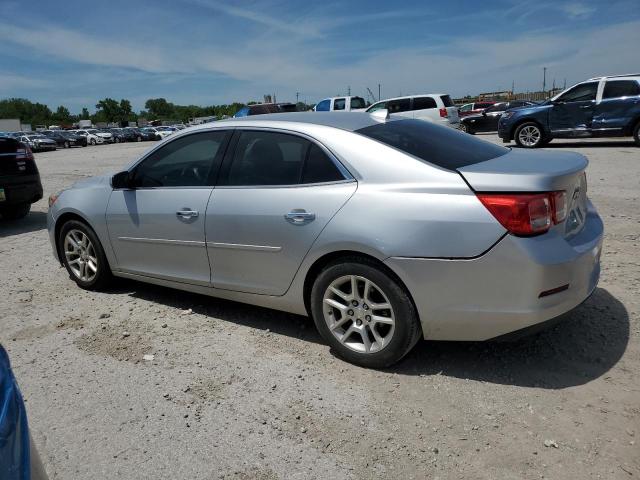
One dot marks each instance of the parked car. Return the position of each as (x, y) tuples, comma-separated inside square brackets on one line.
[(147, 133), (65, 139), (38, 142), (473, 108), (487, 120), (19, 458), (104, 134), (435, 107), (91, 138), (598, 107), (341, 104), (165, 131), (264, 108), (20, 184), (383, 230), (118, 135)]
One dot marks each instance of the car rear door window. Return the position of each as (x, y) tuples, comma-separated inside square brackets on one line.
[(423, 103), (444, 147), (621, 88), (339, 104), (357, 102), (271, 159), (377, 106), (580, 93), (446, 99), (400, 105), (188, 161)]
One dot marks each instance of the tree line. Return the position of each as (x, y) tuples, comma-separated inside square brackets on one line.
[(113, 111)]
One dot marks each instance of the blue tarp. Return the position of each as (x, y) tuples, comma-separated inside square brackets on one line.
[(14, 433)]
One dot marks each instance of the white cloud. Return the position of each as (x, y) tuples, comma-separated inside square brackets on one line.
[(577, 10)]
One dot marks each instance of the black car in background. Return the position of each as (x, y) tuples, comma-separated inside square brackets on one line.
[(20, 184), (148, 134), (487, 120), (264, 108), (117, 134), (65, 139)]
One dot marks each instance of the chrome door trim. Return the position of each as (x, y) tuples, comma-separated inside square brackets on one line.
[(165, 241), (239, 246)]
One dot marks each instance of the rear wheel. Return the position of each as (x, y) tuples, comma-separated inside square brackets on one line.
[(529, 135), (636, 134), (15, 212), (83, 256), (66, 145), (365, 316), (92, 141), (464, 128)]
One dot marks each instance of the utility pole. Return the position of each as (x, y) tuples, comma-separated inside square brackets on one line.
[(565, 84), (544, 79), (513, 87), (297, 96), (379, 97), (348, 90)]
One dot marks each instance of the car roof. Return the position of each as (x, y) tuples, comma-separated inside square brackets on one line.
[(413, 96), (350, 121), (608, 77)]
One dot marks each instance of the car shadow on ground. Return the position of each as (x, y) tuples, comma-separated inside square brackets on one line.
[(31, 223), (591, 144), (280, 323), (586, 344)]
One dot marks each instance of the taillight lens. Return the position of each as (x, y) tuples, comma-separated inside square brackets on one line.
[(444, 113), (526, 214), (24, 152)]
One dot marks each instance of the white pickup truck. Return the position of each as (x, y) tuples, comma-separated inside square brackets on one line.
[(341, 104)]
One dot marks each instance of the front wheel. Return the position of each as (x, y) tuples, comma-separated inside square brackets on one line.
[(529, 135), (66, 145), (364, 314), (636, 134), (83, 256), (15, 212), (92, 141)]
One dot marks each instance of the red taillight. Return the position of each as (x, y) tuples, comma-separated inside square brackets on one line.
[(526, 214), (24, 153), (444, 113)]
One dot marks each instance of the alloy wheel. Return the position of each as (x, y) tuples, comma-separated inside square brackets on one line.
[(80, 255), (358, 314), (530, 135)]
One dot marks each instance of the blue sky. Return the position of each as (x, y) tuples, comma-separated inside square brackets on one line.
[(207, 52)]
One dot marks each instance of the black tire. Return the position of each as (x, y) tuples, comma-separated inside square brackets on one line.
[(636, 134), (117, 140), (66, 145), (92, 141), (15, 212), (103, 275), (537, 138), (407, 330), (138, 139), (465, 128)]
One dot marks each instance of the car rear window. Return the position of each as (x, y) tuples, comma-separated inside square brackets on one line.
[(446, 99), (434, 144)]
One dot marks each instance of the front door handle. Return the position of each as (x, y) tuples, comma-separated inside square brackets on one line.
[(299, 217), (586, 106), (187, 213)]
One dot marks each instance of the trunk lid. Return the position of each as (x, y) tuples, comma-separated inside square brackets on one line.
[(533, 172), (13, 158)]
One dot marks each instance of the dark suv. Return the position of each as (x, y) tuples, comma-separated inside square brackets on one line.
[(19, 179), (599, 107)]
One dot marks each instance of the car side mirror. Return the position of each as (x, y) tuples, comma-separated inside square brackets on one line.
[(484, 114), (122, 180), (557, 102)]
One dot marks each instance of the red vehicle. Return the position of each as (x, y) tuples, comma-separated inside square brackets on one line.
[(474, 108)]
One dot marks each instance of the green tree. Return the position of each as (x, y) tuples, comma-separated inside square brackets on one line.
[(62, 115), (108, 110), (159, 108), (85, 114), (125, 109), (26, 111)]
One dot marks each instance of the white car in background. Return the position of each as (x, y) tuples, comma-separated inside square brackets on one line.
[(432, 107), (162, 132), (106, 136), (92, 139), (341, 104)]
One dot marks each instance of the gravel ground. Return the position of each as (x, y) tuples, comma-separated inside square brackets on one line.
[(238, 392)]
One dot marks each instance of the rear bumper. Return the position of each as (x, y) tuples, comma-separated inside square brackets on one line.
[(499, 292), (17, 190)]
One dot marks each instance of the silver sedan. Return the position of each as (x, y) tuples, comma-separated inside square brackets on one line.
[(384, 230)]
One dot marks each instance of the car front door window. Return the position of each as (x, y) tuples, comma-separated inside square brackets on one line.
[(189, 161), (580, 93)]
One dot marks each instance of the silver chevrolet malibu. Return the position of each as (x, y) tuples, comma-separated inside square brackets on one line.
[(384, 230)]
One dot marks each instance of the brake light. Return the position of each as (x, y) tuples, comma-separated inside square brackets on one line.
[(24, 153), (526, 214), (444, 113)]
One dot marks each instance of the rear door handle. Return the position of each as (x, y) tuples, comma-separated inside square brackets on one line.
[(299, 217), (586, 106), (187, 213)]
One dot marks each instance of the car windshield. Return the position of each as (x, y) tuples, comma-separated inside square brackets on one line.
[(434, 144), (92, 131)]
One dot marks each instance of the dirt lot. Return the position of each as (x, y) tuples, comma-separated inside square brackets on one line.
[(239, 392)]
